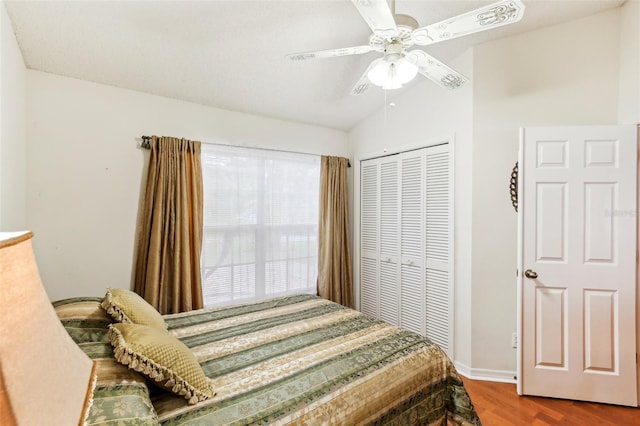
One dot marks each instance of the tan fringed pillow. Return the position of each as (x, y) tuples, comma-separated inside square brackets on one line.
[(128, 307), (162, 358)]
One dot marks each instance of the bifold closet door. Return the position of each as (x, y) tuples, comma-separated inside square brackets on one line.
[(438, 246), (389, 224), (405, 242), (412, 291), (379, 220), (369, 235)]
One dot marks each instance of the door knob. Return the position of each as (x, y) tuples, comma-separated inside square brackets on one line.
[(530, 274)]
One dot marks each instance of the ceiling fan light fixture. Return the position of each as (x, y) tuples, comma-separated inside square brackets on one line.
[(392, 80), (378, 72), (407, 71), (391, 72)]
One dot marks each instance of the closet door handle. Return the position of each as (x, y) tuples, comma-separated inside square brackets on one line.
[(531, 274)]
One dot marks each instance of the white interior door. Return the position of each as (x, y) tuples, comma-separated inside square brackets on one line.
[(577, 263)]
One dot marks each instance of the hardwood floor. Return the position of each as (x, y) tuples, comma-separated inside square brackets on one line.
[(498, 404)]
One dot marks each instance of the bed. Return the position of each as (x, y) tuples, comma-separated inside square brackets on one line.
[(289, 360)]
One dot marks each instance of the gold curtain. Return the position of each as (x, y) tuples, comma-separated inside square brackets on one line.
[(335, 277), (167, 272)]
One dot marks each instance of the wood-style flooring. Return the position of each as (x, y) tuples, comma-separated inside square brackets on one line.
[(498, 404)]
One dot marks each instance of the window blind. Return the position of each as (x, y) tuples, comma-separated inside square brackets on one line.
[(260, 219)]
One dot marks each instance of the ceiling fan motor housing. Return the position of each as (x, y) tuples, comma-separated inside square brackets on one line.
[(393, 51), (405, 21), (380, 42)]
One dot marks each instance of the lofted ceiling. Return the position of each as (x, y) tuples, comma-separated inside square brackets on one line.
[(231, 54)]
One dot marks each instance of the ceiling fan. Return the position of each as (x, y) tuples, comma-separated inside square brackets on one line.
[(393, 34)]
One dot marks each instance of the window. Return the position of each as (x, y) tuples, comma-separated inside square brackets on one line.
[(260, 234)]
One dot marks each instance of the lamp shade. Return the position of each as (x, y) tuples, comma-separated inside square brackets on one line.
[(45, 378), (391, 72)]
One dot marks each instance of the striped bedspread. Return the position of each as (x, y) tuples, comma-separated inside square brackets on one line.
[(304, 360)]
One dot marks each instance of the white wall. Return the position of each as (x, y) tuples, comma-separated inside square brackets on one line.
[(85, 171), (13, 148), (424, 114), (629, 99)]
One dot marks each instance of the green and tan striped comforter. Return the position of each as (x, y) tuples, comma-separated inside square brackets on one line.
[(291, 360)]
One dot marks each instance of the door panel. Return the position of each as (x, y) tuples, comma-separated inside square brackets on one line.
[(599, 228), (437, 202), (412, 310), (389, 244), (551, 221), (369, 291), (551, 327), (577, 236), (601, 312)]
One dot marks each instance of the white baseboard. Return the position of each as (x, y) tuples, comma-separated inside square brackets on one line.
[(503, 376)]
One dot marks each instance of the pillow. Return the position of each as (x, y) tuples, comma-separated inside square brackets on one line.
[(128, 307), (162, 358)]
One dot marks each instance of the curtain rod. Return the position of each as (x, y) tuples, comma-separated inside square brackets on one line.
[(146, 144)]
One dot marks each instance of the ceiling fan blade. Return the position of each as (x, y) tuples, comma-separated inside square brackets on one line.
[(435, 70), (364, 83), (330, 53), (378, 16), (485, 18)]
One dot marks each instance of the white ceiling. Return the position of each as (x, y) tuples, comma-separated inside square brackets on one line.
[(231, 54)]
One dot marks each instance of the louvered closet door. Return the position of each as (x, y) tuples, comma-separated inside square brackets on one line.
[(412, 314), (369, 230), (379, 289), (388, 242), (436, 201), (405, 251)]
